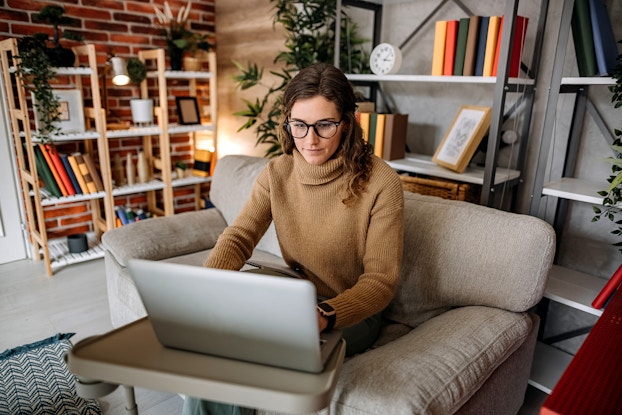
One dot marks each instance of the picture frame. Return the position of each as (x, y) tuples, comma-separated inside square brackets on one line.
[(188, 110), (463, 137), (71, 111)]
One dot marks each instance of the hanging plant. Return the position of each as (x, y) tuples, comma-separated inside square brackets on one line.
[(310, 27), (612, 197)]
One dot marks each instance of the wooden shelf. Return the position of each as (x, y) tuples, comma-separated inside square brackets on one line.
[(51, 200), (491, 80), (421, 164), (190, 180), (575, 189), (138, 188), (548, 365), (574, 289), (60, 255), (592, 80)]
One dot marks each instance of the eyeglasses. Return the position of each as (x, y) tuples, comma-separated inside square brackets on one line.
[(324, 129)]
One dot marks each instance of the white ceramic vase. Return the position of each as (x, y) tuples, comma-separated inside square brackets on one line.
[(142, 111)]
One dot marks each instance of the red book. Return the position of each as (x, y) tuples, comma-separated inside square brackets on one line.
[(60, 168), (520, 29), (52, 167), (609, 288), (450, 47)]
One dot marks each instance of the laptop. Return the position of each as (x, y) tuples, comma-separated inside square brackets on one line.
[(257, 318)]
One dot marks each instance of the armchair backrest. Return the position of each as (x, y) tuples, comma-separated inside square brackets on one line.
[(459, 254)]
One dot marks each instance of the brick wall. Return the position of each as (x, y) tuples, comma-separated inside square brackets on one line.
[(122, 28)]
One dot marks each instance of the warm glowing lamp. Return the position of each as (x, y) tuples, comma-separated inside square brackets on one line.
[(118, 71)]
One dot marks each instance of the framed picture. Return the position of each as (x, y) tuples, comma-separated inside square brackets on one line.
[(70, 111), (188, 110), (463, 137)]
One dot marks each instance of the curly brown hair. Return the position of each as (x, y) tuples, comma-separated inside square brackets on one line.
[(325, 80)]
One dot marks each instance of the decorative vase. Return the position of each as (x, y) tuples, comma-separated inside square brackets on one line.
[(192, 64), (61, 57), (130, 170), (142, 168), (142, 111), (175, 56)]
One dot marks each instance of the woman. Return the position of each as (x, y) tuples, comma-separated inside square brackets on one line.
[(337, 210)]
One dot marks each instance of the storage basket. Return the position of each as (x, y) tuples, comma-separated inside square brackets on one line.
[(441, 188)]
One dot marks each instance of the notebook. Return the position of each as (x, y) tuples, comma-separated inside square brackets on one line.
[(258, 318)]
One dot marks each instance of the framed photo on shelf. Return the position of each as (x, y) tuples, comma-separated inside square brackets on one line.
[(70, 111), (188, 110), (463, 137)]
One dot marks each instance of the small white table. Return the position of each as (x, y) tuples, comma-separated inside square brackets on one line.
[(132, 355)]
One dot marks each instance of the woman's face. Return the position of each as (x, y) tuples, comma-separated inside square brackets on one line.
[(315, 149)]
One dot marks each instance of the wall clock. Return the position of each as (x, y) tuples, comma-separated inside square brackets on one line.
[(385, 59)]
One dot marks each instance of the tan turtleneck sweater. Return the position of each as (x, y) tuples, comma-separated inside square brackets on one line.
[(352, 254)]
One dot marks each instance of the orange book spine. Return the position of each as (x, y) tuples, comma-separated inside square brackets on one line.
[(491, 44), (60, 168), (78, 173), (450, 47), (438, 56), (50, 164)]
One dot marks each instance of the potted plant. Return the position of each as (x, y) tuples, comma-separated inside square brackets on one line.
[(180, 39), (55, 16), (142, 109), (612, 197), (36, 74)]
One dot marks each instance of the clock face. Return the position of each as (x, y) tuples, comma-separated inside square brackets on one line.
[(385, 59)]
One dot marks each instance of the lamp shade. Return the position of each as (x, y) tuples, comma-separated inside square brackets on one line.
[(119, 71)]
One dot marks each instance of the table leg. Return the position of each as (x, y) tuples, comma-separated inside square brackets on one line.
[(130, 400)]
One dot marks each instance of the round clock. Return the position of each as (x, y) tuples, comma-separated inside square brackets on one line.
[(385, 59)]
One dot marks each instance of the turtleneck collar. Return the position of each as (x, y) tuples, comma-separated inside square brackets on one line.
[(312, 174)]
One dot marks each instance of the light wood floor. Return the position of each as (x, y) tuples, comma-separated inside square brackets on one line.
[(34, 306)]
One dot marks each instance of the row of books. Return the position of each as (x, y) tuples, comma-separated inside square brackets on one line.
[(128, 215), (470, 46), (66, 174), (594, 41), (386, 133)]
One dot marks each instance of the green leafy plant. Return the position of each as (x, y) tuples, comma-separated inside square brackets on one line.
[(36, 74), (136, 70), (612, 197), (310, 38), (55, 16)]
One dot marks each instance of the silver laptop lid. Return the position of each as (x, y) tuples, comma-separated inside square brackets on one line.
[(264, 319)]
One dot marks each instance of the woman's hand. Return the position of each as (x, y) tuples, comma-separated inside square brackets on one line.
[(322, 322)]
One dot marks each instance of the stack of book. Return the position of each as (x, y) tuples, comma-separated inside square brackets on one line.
[(386, 133), (128, 215), (595, 45), (66, 174), (470, 46)]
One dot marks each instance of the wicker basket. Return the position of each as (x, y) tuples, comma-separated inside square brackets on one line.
[(441, 188)]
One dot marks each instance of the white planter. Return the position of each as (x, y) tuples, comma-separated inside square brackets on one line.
[(142, 111)]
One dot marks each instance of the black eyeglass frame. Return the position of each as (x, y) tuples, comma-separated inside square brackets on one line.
[(314, 125)]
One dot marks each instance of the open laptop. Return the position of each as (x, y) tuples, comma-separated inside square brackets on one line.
[(246, 316)]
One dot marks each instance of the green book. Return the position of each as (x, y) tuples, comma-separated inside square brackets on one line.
[(373, 120), (583, 38), (461, 42), (45, 173)]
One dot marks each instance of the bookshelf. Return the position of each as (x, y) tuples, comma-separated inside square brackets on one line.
[(492, 178), (94, 141), (566, 286)]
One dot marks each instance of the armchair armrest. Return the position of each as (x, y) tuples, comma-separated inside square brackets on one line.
[(165, 237)]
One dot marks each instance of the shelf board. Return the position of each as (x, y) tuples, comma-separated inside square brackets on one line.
[(575, 189), (87, 135), (574, 289), (549, 363), (190, 180), (585, 80), (134, 132), (202, 75), (51, 200), (436, 79), (138, 188), (71, 70), (60, 255), (188, 128), (421, 164)]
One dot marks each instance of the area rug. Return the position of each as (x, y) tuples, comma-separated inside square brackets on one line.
[(35, 380)]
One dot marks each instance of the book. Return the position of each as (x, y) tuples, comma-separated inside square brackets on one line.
[(120, 212), (581, 26), (482, 35), (86, 175), (395, 127), (90, 164), (364, 122), (274, 267), (48, 161), (373, 118), (461, 41), (605, 46), (520, 28), (450, 47), (379, 137), (60, 168), (491, 44), (438, 55), (471, 46), (45, 173), (610, 287), (74, 180), (76, 171)]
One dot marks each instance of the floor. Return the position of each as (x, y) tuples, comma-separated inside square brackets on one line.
[(34, 306)]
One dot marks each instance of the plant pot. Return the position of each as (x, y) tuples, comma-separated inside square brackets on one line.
[(61, 57), (142, 111), (175, 56), (192, 64)]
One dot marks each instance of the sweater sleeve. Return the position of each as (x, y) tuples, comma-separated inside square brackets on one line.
[(382, 258), (236, 244)]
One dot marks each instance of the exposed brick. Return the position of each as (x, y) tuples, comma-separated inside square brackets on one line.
[(72, 220), (132, 18), (13, 16), (64, 210), (106, 26)]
